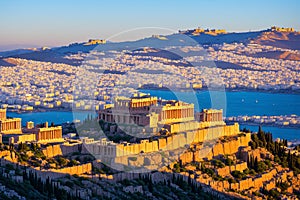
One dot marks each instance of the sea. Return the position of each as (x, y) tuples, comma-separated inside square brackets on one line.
[(233, 103)]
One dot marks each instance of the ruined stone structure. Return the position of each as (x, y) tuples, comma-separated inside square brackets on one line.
[(45, 134), (12, 131), (199, 31), (209, 115), (30, 125), (95, 41), (18, 138), (49, 134), (178, 118), (282, 29), (11, 125), (147, 111), (2, 114), (150, 112), (110, 149)]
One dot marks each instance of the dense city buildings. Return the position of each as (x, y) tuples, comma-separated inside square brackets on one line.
[(281, 120), (30, 84)]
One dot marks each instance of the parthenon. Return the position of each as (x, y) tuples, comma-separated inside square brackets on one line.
[(185, 126)]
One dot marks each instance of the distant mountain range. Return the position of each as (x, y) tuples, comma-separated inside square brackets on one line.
[(286, 40)]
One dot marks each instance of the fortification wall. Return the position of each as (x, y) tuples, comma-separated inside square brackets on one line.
[(181, 139), (205, 150), (52, 151), (215, 150), (68, 149), (80, 169)]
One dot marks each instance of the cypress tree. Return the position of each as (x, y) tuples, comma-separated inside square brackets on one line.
[(251, 162), (248, 161), (259, 130), (256, 164)]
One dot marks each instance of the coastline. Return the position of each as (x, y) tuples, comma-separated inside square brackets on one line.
[(39, 110), (265, 124), (287, 92), (204, 89)]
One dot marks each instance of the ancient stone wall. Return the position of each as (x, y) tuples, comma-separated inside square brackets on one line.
[(181, 139), (216, 150), (79, 169), (68, 149), (225, 171), (52, 151), (52, 173)]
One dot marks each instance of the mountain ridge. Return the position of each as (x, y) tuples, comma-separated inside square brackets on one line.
[(280, 39)]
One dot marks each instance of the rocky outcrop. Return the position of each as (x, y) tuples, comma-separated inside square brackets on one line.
[(231, 146), (217, 149), (259, 153)]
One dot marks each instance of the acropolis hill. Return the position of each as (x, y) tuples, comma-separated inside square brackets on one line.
[(169, 144), (160, 125), (171, 125)]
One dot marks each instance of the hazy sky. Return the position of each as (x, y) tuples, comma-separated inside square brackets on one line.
[(59, 22)]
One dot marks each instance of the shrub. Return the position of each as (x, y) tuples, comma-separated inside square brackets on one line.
[(69, 184), (132, 158), (218, 163), (237, 174), (209, 171), (228, 162), (231, 180)]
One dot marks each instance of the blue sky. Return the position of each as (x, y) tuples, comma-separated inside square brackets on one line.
[(60, 22)]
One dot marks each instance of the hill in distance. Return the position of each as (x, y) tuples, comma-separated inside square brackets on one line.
[(289, 40)]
